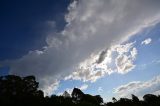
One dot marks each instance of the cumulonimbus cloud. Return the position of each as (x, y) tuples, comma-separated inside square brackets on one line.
[(92, 26)]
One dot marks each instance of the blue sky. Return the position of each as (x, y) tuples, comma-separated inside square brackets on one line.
[(101, 47), (23, 24)]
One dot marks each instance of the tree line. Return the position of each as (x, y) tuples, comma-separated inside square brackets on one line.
[(16, 90)]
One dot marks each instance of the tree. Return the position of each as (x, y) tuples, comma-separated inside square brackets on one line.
[(135, 98), (149, 97), (77, 94), (23, 89), (31, 86), (10, 85), (18, 91), (66, 94), (99, 99), (114, 99)]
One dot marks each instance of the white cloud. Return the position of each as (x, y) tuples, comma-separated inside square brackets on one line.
[(89, 70), (69, 90), (126, 57), (98, 65), (93, 26), (134, 53), (139, 88), (83, 87), (156, 92), (130, 86), (146, 41), (100, 90), (124, 64), (49, 87)]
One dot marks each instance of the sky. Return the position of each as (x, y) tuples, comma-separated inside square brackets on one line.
[(104, 47)]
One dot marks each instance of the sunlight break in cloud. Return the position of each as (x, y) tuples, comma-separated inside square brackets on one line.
[(139, 88), (146, 41), (92, 26), (98, 65)]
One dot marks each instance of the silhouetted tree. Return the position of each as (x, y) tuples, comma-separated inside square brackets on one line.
[(14, 88), (114, 99), (66, 94), (99, 99), (149, 97), (77, 94), (135, 98), (23, 91), (151, 100)]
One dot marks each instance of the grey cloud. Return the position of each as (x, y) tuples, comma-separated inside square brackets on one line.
[(101, 56)]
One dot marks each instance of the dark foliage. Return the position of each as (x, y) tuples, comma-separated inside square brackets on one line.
[(149, 100), (17, 90), (23, 91)]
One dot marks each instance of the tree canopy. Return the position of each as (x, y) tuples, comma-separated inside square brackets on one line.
[(15, 90)]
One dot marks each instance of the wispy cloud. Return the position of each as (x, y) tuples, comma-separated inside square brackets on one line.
[(138, 87), (84, 87), (100, 90), (149, 63)]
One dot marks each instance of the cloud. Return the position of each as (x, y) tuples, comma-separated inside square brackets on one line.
[(50, 87), (133, 53), (146, 41), (156, 92), (100, 90), (124, 64), (126, 57), (69, 90), (91, 70), (88, 70), (101, 57), (130, 86), (83, 87), (139, 88), (92, 27)]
